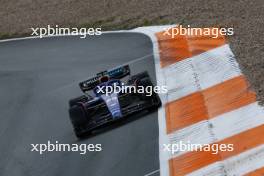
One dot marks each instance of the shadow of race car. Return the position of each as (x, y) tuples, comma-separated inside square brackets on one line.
[(99, 108)]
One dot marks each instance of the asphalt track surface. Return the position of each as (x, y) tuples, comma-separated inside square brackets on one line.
[(39, 76)]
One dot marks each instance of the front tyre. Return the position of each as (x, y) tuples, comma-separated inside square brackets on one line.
[(78, 119)]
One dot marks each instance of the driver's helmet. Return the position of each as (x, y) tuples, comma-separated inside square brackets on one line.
[(104, 79)]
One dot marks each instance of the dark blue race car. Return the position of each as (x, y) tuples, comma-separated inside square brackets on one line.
[(88, 113)]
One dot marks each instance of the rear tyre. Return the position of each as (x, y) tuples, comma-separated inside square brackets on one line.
[(146, 82), (138, 77), (154, 99), (156, 103), (82, 98)]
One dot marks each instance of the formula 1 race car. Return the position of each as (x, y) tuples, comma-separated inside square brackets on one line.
[(88, 113)]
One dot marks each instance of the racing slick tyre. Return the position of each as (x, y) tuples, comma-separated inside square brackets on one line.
[(138, 77), (156, 103), (78, 119), (82, 98), (141, 75), (145, 82), (154, 98)]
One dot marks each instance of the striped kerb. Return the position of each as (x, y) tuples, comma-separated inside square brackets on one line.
[(258, 172), (192, 161), (174, 48), (208, 103), (209, 100)]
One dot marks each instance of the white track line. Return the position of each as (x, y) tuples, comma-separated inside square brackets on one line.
[(153, 172)]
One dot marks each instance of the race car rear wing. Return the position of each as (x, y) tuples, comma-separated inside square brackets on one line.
[(116, 73)]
